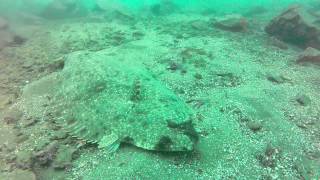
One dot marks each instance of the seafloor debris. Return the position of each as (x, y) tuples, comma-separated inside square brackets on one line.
[(293, 27), (310, 55), (130, 107), (233, 22)]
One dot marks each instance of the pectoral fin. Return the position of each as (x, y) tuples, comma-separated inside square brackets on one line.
[(110, 142)]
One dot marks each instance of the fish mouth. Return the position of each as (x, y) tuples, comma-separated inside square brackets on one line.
[(187, 138), (186, 128), (166, 144)]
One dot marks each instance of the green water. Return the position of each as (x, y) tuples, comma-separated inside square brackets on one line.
[(159, 89)]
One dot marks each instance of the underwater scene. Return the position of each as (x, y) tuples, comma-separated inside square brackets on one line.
[(159, 89)]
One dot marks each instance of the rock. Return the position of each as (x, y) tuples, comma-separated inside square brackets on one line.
[(3, 23), (233, 23), (254, 126), (292, 26), (303, 99), (310, 55)]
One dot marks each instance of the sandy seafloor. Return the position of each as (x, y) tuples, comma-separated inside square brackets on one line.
[(250, 125)]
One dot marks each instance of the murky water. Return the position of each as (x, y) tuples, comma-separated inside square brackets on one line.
[(159, 89)]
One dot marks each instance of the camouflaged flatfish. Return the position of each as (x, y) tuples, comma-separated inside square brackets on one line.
[(107, 100)]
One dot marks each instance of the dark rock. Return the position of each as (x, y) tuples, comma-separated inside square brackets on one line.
[(292, 26), (233, 23), (310, 55), (254, 126), (3, 23), (303, 100)]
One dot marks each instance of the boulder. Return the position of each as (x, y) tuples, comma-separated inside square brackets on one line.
[(233, 23), (294, 26), (310, 55)]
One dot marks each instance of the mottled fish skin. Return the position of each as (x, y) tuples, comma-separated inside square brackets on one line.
[(100, 95)]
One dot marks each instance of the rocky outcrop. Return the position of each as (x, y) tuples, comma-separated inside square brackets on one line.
[(233, 23), (310, 55), (293, 26)]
